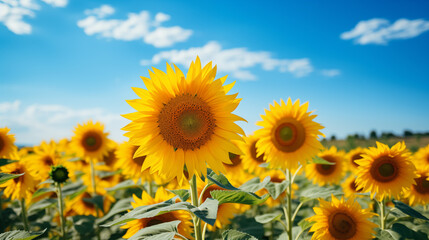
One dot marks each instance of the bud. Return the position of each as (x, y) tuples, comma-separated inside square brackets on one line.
[(59, 174)]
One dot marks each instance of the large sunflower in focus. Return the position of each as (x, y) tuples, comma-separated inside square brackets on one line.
[(385, 171), (184, 120), (341, 219), (90, 141), (45, 156), (161, 195), (250, 160), (323, 174), (289, 135), (419, 192), (7, 146)]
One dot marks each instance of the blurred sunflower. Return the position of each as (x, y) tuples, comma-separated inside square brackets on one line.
[(82, 205), (45, 156), (90, 142), (184, 121), (419, 192), (385, 171), (108, 181), (131, 167), (7, 146), (323, 174), (161, 195), (250, 160), (111, 158), (349, 187), (352, 156), (340, 219), (235, 170), (21, 187), (289, 135), (421, 157)]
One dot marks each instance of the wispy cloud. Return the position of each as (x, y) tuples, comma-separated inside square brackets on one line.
[(136, 26), (236, 61), (330, 72), (381, 31), (13, 12), (36, 122)]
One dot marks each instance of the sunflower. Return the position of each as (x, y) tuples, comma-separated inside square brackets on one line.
[(79, 167), (276, 176), (21, 187), (90, 141), (45, 156), (340, 219), (184, 121), (225, 211), (289, 135), (234, 171), (131, 167), (81, 205), (419, 192), (7, 146), (161, 195), (323, 174), (349, 187), (110, 159), (385, 171), (102, 182), (250, 161), (421, 157), (352, 157)]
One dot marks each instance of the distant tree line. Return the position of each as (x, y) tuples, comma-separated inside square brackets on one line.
[(384, 135)]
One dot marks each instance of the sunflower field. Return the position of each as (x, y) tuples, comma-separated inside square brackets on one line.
[(189, 171)]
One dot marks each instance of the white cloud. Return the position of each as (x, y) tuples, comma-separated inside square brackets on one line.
[(330, 72), (136, 26), (12, 13), (381, 31), (236, 61), (36, 122)]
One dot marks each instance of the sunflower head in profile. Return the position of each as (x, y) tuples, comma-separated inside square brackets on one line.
[(419, 192), (45, 155), (421, 157), (323, 174), (352, 157), (340, 219), (289, 135), (251, 158), (7, 146), (384, 171), (184, 120), (90, 141), (349, 187), (161, 195)]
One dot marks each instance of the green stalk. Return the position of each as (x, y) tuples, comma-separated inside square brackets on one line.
[(289, 205), (93, 178), (61, 209), (24, 215), (194, 197), (151, 189), (382, 212)]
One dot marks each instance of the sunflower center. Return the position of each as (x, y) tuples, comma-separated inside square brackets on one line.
[(288, 135), (326, 169), (259, 159), (48, 161), (110, 159), (384, 169), (91, 141), (276, 179), (422, 185), (235, 159), (342, 226), (355, 157), (354, 186), (186, 122), (18, 171)]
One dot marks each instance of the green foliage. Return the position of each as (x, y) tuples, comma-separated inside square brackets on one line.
[(84, 225), (162, 231), (236, 235), (408, 210), (4, 177), (237, 196), (4, 161), (183, 194), (319, 160), (275, 189), (315, 192), (20, 235), (121, 206), (269, 217)]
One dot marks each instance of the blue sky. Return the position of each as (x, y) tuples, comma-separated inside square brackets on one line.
[(362, 65)]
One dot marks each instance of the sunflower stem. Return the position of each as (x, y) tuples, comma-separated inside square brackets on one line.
[(382, 212), (61, 209), (194, 197), (24, 215), (150, 189), (204, 231), (93, 178), (289, 205)]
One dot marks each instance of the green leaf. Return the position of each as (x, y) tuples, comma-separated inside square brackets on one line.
[(207, 211), (318, 192), (4, 161), (74, 189), (162, 231), (220, 180), (304, 224), (254, 184), (43, 204), (237, 196), (408, 210), (269, 217), (47, 181), (97, 200), (84, 225), (275, 189), (402, 232), (4, 177), (320, 160), (20, 235), (42, 191), (183, 194), (236, 235), (121, 206), (122, 185)]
